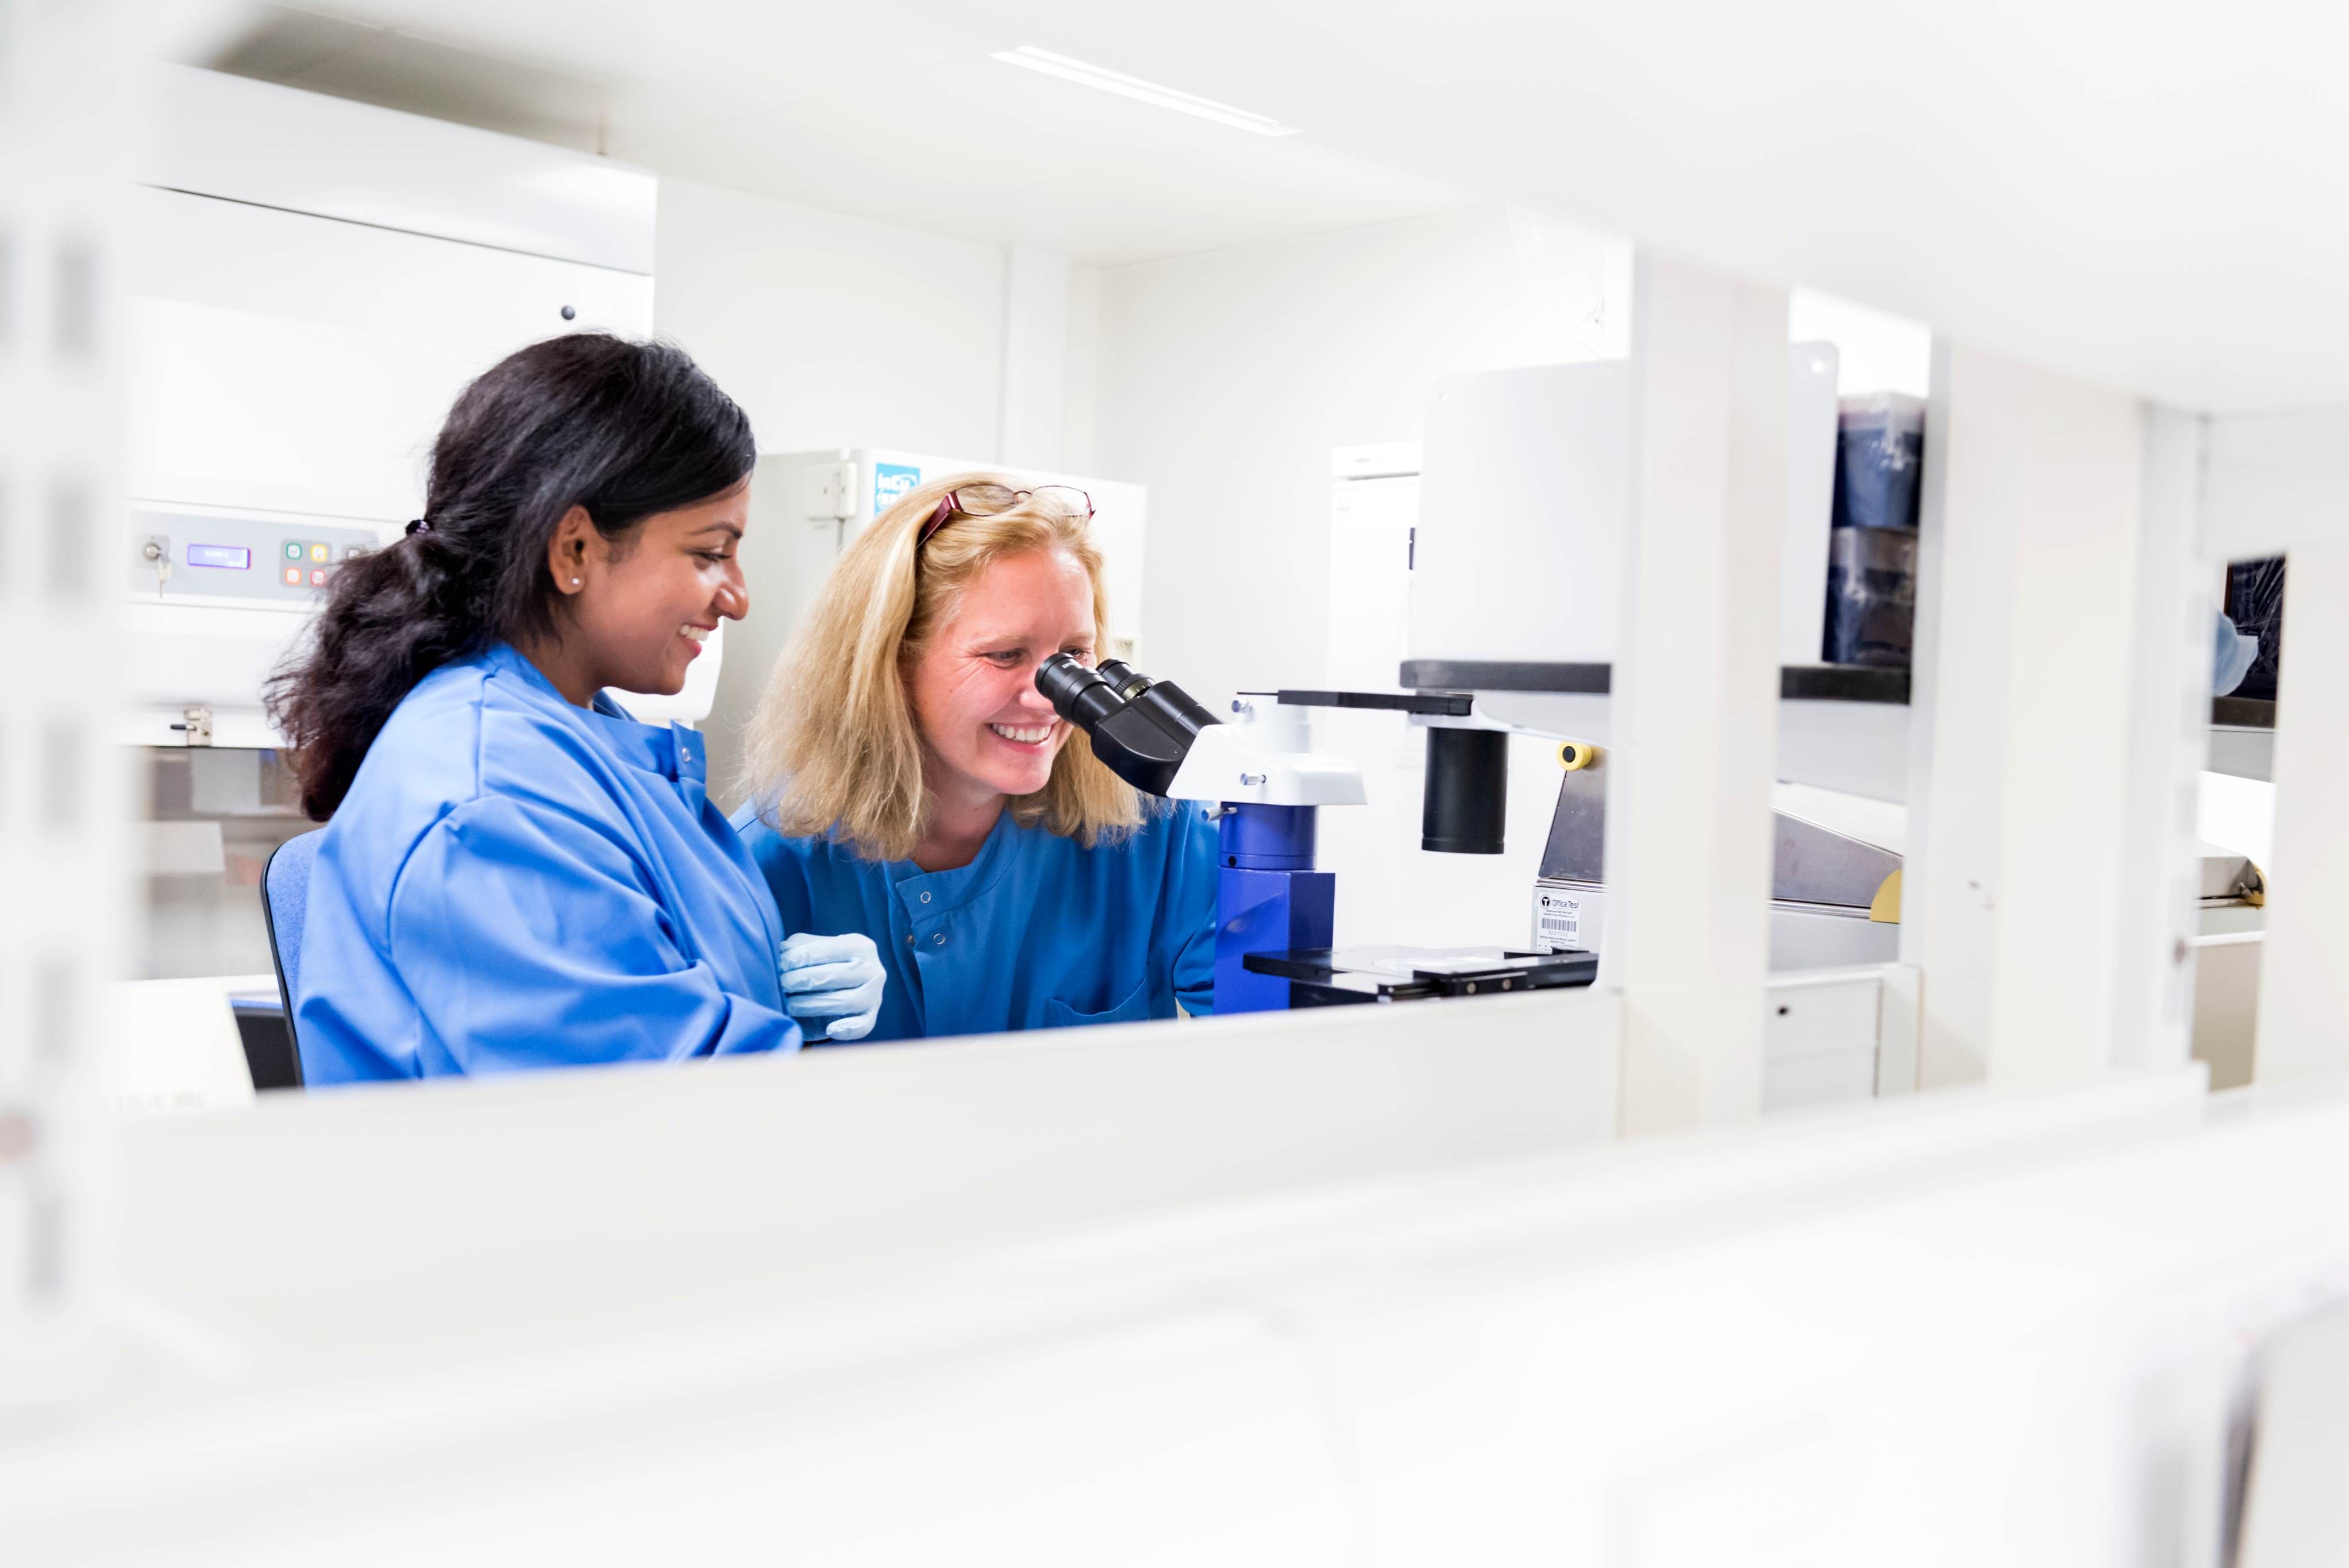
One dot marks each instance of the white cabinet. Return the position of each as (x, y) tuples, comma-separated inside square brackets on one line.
[(292, 363), (292, 343)]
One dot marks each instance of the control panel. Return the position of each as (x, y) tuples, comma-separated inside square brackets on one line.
[(285, 561)]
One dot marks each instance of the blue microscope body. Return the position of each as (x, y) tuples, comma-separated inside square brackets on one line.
[(1268, 898)]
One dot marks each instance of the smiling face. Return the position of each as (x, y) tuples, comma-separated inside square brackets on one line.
[(639, 610), (987, 731)]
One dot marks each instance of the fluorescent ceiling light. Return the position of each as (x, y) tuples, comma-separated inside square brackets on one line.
[(1070, 70)]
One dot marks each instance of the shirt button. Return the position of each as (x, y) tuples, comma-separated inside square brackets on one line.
[(940, 939), (925, 898), (909, 939)]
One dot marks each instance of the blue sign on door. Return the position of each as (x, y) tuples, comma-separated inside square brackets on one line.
[(890, 482)]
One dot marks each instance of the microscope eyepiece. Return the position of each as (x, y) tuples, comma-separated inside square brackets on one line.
[(1077, 693), (1122, 678), (1135, 739), (1168, 705)]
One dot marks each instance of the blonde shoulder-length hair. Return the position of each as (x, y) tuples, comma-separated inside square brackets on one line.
[(836, 749)]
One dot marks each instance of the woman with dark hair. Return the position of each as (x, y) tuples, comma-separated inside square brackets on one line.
[(514, 873)]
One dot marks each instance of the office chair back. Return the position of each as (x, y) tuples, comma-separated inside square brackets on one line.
[(284, 903)]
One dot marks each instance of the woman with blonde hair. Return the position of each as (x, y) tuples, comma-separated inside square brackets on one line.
[(910, 783)]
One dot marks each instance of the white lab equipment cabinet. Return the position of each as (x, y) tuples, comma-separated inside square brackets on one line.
[(308, 284), (805, 508), (1520, 549), (311, 281)]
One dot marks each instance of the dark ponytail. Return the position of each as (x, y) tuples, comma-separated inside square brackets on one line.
[(624, 429)]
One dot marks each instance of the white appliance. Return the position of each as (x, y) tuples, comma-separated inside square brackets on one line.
[(1520, 570), (1389, 888), (805, 508), (310, 282), (1520, 556)]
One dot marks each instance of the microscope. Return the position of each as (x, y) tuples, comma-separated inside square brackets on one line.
[(1265, 787)]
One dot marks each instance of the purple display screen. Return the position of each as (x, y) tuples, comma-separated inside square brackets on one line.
[(230, 557)]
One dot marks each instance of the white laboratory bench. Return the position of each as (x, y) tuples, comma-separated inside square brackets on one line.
[(620, 1185), (172, 1046), (790, 1311)]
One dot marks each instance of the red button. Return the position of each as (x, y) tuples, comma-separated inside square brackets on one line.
[(318, 578)]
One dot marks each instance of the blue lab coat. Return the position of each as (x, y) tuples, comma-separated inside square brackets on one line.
[(514, 881), (1036, 933)]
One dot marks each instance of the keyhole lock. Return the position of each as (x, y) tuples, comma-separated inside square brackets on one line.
[(157, 552)]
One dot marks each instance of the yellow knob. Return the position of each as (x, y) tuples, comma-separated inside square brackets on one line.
[(1574, 754), (1884, 907)]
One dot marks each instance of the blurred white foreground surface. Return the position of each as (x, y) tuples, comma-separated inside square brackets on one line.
[(1037, 1302)]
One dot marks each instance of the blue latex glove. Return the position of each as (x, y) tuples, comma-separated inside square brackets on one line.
[(832, 985), (2232, 659)]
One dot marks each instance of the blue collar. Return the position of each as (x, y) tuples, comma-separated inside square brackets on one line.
[(672, 751), (959, 885)]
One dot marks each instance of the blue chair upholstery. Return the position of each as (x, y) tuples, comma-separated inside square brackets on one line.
[(284, 903)]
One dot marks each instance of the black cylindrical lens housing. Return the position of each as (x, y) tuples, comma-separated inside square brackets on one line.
[(1173, 709), (1122, 678), (1465, 805), (1077, 693), (1173, 702), (1131, 740)]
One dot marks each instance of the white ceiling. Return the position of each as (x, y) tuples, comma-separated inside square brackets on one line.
[(845, 108), (2149, 194)]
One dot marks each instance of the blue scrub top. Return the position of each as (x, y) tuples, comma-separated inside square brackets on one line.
[(514, 881), (1036, 933)]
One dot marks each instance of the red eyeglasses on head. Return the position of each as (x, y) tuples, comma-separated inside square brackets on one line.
[(986, 499)]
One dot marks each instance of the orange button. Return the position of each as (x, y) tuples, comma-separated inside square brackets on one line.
[(292, 577)]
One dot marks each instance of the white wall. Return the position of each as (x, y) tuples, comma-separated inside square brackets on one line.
[(1222, 381), (1877, 350), (1079, 445), (1037, 288), (834, 331)]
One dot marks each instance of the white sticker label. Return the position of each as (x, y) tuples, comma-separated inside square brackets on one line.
[(1560, 919)]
